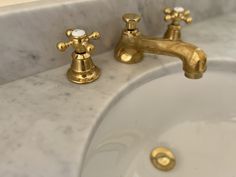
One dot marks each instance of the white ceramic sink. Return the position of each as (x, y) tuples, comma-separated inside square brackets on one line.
[(196, 119)]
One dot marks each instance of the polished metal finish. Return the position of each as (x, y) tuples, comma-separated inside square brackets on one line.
[(82, 70), (131, 21), (132, 44), (176, 15), (163, 159)]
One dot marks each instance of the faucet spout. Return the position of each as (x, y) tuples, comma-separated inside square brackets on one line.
[(132, 44), (193, 58)]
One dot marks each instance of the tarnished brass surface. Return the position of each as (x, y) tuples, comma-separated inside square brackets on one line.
[(82, 70), (132, 44), (163, 159)]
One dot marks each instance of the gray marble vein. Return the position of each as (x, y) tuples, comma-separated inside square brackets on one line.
[(29, 32), (46, 121)]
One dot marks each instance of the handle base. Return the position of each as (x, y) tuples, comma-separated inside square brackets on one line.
[(173, 33), (83, 70)]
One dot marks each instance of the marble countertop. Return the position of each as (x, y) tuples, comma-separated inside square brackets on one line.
[(46, 121)]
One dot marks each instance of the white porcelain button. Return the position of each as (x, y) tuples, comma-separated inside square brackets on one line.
[(178, 9), (78, 33)]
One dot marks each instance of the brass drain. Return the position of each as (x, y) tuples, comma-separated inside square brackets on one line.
[(163, 159)]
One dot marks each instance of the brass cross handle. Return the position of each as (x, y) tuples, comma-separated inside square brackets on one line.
[(177, 14), (131, 21), (79, 40)]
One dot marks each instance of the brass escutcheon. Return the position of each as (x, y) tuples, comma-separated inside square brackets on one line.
[(163, 159)]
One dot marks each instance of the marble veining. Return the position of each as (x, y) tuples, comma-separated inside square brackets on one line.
[(29, 32), (46, 121)]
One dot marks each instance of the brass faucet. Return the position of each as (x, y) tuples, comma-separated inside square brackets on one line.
[(82, 70), (133, 44)]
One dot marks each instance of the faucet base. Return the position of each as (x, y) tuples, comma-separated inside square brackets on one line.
[(173, 32), (129, 55), (85, 77), (82, 70)]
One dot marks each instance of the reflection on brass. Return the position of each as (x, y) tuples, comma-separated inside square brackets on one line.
[(82, 68), (132, 44), (163, 159)]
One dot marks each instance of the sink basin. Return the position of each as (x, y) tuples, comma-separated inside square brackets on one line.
[(196, 119)]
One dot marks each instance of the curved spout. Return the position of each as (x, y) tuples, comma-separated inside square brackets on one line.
[(194, 59)]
